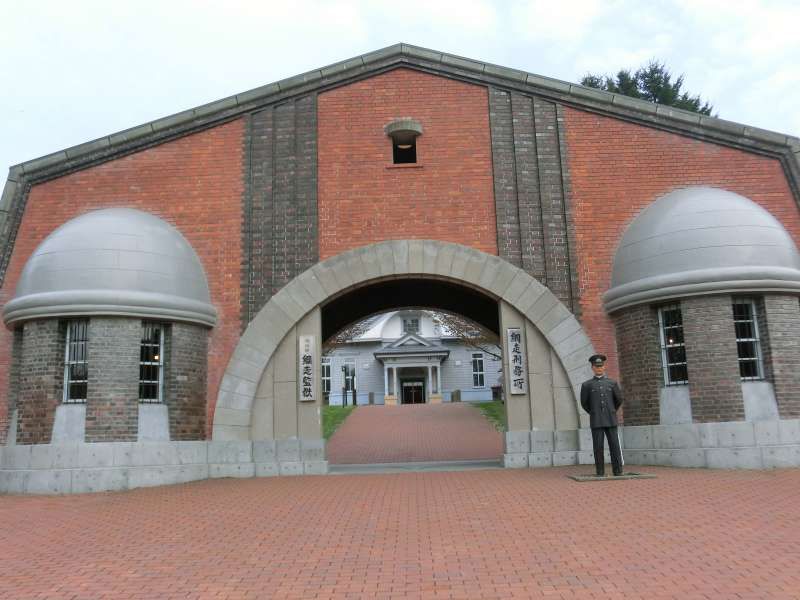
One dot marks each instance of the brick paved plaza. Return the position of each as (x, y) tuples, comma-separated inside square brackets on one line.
[(471, 534), (413, 433)]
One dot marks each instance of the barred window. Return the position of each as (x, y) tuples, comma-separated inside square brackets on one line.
[(477, 370), (76, 365), (349, 374), (151, 363), (673, 349), (748, 344), (411, 325), (326, 376)]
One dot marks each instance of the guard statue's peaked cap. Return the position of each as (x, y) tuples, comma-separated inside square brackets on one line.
[(597, 359)]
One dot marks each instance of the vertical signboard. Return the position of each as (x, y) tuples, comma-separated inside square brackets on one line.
[(306, 368), (517, 376)]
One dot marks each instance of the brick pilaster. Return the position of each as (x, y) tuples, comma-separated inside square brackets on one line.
[(41, 373), (639, 364), (782, 316)]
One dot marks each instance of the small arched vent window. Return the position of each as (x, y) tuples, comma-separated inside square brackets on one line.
[(404, 133)]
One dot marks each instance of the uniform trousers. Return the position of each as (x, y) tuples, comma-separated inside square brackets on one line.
[(613, 447)]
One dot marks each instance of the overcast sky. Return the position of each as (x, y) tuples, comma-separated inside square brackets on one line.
[(81, 69)]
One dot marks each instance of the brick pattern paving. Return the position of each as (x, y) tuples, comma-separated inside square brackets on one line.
[(413, 433), (689, 534)]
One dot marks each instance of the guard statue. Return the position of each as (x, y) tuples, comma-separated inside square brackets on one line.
[(601, 397)]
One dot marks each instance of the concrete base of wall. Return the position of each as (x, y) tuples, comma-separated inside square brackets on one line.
[(730, 445), (75, 468)]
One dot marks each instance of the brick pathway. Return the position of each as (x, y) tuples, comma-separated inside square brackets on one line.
[(689, 534), (413, 433)]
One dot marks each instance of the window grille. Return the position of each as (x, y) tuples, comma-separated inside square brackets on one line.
[(748, 344), (477, 370), (349, 373), (673, 349), (326, 376), (151, 363), (76, 365), (411, 325)]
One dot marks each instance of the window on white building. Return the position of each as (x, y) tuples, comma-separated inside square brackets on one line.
[(748, 344), (673, 349), (76, 365), (411, 325), (478, 379), (151, 363), (349, 374), (326, 376)]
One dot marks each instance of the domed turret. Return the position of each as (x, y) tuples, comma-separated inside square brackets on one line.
[(702, 240), (117, 261)]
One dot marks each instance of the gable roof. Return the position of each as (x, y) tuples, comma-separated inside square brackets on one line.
[(419, 345), (784, 147)]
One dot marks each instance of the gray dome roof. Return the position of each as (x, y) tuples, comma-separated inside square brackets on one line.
[(702, 241), (117, 261)]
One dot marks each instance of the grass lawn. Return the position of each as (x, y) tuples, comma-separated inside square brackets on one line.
[(332, 417), (494, 411)]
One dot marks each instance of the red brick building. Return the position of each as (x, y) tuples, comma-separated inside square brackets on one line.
[(158, 282)]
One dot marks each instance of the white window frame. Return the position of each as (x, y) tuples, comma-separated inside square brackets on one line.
[(480, 373), (415, 320), (66, 399), (666, 345), (756, 341), (156, 363), (326, 379), (348, 382)]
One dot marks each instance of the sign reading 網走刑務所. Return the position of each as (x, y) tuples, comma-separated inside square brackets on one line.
[(517, 377)]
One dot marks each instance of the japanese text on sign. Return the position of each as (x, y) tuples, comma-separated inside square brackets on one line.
[(517, 376), (306, 368)]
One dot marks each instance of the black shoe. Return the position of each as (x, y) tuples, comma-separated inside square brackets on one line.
[(618, 474), (599, 474)]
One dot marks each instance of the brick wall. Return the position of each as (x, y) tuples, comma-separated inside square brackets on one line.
[(41, 376), (447, 195), (617, 168), (280, 224), (185, 381), (712, 359), (194, 183), (783, 323), (530, 199), (639, 364), (112, 397)]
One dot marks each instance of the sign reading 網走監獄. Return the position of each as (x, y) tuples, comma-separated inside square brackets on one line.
[(517, 377), (305, 361)]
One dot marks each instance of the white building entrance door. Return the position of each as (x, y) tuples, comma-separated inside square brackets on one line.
[(414, 392)]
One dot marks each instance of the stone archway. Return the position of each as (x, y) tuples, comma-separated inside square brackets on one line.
[(301, 298)]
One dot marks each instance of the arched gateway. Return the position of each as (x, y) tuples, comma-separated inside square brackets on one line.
[(260, 398)]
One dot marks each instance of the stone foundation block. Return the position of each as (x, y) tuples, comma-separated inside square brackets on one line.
[(312, 450), (565, 458), (17, 457), (517, 442), (766, 433), (264, 451), (776, 457), (99, 480), (98, 454), (541, 441), (540, 459), (675, 436), (54, 456), (267, 469), (51, 481), (687, 457), (515, 461), (230, 452), (294, 467), (13, 482), (146, 454), (638, 437), (789, 431), (238, 470), (315, 467), (736, 435), (288, 450), (192, 453), (565, 440), (734, 458)]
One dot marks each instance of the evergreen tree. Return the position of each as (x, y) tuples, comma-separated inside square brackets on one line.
[(652, 82)]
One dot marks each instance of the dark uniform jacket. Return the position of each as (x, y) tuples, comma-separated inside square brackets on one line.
[(601, 397)]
